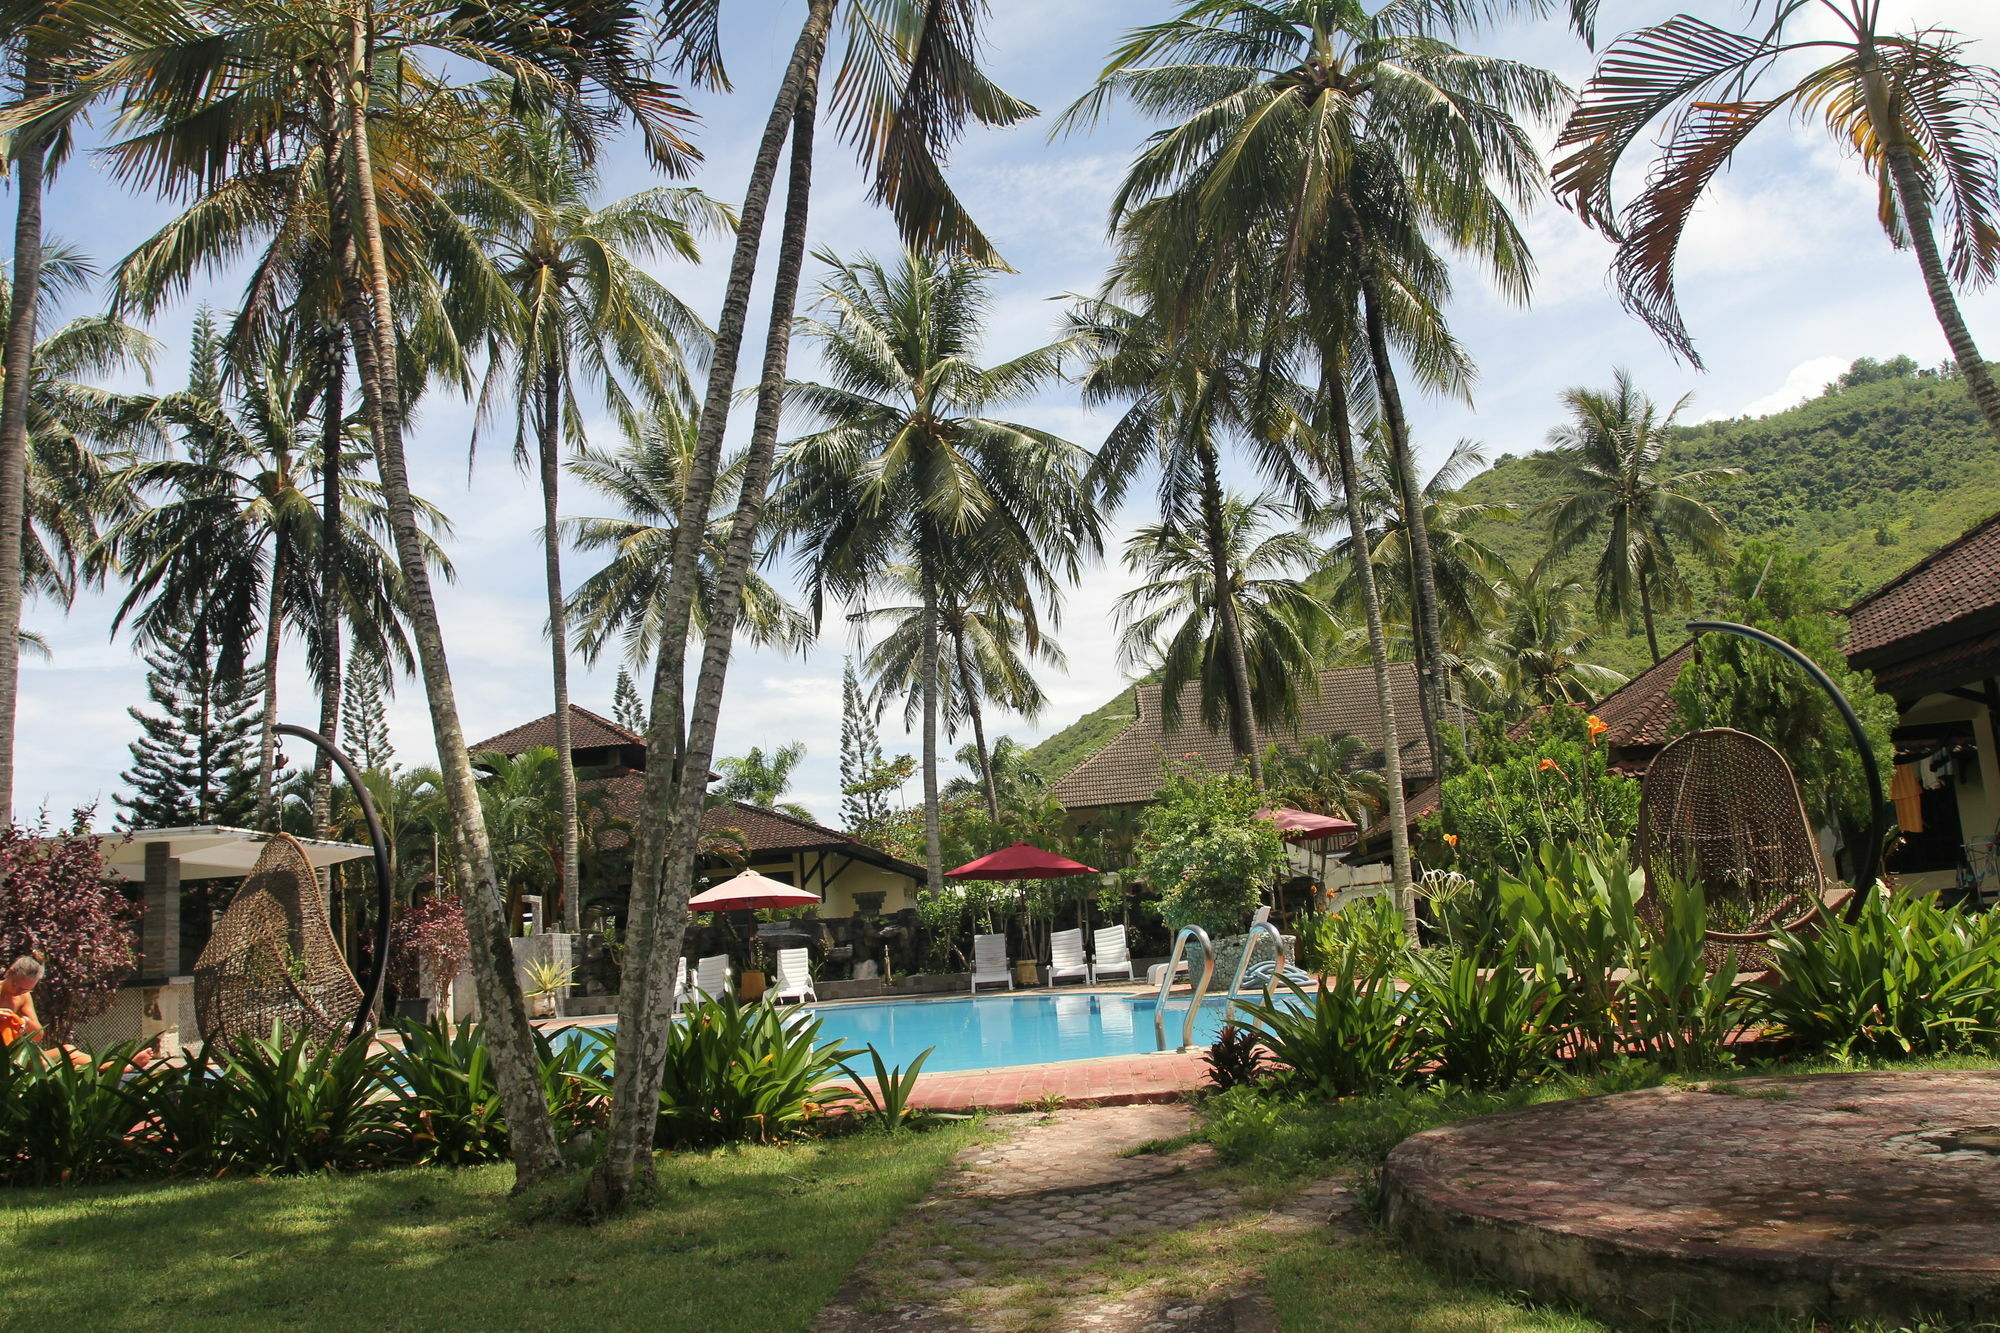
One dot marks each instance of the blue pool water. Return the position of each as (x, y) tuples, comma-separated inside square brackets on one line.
[(994, 1031)]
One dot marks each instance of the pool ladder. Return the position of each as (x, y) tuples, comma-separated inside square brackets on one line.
[(1200, 936)]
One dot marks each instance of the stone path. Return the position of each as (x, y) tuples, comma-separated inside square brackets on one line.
[(1052, 1225)]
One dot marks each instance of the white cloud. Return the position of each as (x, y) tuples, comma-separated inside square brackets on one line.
[(1804, 381)]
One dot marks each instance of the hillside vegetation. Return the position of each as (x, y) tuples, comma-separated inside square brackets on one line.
[(1869, 477)]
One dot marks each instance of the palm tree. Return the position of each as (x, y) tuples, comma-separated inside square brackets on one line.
[(906, 468), (625, 601), (519, 796), (1537, 656), (233, 544), (762, 781), (1621, 494), (1327, 146), (992, 645), (1327, 776), (208, 94), (1918, 114), (1175, 617), (585, 321)]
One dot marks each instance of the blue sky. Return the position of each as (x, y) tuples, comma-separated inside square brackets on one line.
[(1786, 278)]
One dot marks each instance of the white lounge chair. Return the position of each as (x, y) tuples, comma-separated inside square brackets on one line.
[(794, 980), (711, 976), (1114, 953), (681, 990), (989, 962), (1066, 957)]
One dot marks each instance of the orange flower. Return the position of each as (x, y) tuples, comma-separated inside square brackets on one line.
[(1547, 764), (1451, 839), (1598, 726)]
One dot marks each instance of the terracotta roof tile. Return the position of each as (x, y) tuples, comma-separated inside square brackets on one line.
[(587, 731), (1127, 769), (1958, 582), (765, 831), (1641, 711)]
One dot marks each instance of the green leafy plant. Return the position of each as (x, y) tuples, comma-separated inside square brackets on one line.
[(1681, 1001), (62, 1123), (1573, 916), (294, 1106), (1369, 929), (447, 1097), (1486, 1027), (1906, 978), (185, 1121), (1206, 853), (889, 1097), (546, 976), (1352, 1036)]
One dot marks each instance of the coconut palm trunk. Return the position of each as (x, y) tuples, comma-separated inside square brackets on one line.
[(1423, 573), (1646, 616), (663, 836), (16, 361), (978, 716), (928, 664), (372, 321), (1242, 726), (1913, 198), (267, 726), (549, 431), (1335, 387), (332, 414)]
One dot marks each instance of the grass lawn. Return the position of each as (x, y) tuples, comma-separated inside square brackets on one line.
[(752, 1239)]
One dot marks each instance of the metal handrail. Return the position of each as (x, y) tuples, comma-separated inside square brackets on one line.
[(1200, 986), (1243, 964)]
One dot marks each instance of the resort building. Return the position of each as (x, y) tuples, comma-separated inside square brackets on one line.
[(1931, 638), (851, 877)]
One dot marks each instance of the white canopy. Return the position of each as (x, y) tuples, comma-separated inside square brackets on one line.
[(210, 851)]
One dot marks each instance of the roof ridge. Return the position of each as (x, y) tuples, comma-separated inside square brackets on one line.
[(606, 722), (794, 819), (1977, 529)]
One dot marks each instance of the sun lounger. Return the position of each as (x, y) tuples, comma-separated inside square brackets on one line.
[(1066, 957), (794, 979), (989, 962)]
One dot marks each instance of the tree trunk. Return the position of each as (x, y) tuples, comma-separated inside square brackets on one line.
[(516, 1068), (1914, 201), (1335, 386), (670, 813), (550, 431), (927, 643), (1242, 720), (1428, 629), (1646, 616), (16, 365), (267, 727), (333, 412), (967, 684)]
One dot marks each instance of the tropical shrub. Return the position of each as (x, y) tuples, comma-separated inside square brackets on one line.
[(1351, 1036), (1550, 787), (293, 1107), (1235, 1058), (56, 903), (1370, 931), (1908, 977), (447, 1097), (428, 938), (1573, 920), (1486, 1027), (1681, 1001), (889, 1096), (62, 1123), (1205, 852)]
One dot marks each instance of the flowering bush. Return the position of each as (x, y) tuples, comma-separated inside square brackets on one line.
[(429, 935), (1203, 849), (56, 903)]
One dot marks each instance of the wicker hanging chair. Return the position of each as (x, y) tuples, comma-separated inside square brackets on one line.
[(272, 959), (1721, 808)]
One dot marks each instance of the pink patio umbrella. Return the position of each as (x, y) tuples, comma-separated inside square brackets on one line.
[(1020, 861), (1303, 826), (750, 891)]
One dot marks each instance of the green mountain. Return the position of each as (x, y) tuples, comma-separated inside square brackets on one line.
[(1890, 463)]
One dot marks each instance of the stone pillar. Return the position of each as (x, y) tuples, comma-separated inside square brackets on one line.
[(160, 927)]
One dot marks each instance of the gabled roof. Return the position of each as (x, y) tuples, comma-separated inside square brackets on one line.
[(1641, 712), (764, 832), (1127, 769), (587, 731), (1936, 625)]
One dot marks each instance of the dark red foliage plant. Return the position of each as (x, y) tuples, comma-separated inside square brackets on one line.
[(58, 902), (429, 935)]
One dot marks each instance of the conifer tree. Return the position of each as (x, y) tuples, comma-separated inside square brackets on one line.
[(195, 760), (626, 709), (364, 720), (862, 803)]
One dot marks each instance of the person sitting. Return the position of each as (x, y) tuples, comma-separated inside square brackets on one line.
[(18, 1019)]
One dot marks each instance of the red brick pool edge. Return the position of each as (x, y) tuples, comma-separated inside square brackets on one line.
[(1122, 1080)]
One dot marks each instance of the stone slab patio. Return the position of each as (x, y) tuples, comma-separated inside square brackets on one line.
[(1867, 1196)]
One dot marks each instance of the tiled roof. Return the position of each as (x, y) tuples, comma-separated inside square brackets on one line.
[(1641, 712), (587, 731), (1127, 769), (764, 831), (1930, 601)]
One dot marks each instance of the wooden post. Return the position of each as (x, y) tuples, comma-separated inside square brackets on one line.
[(160, 927)]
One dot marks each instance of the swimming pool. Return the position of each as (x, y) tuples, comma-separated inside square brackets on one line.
[(995, 1031)]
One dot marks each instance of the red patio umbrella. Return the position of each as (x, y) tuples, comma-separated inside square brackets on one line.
[(750, 891), (1020, 861), (1305, 826)]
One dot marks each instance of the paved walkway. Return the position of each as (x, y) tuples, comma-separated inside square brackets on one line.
[(1057, 1224)]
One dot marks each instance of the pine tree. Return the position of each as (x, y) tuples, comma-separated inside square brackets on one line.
[(195, 761), (363, 719), (862, 803), (626, 709)]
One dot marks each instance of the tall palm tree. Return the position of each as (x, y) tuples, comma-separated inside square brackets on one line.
[(992, 645), (1327, 776), (1919, 115), (625, 601), (908, 469), (1621, 494), (1332, 145), (1537, 656), (1175, 617), (762, 780), (585, 323), (207, 94)]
